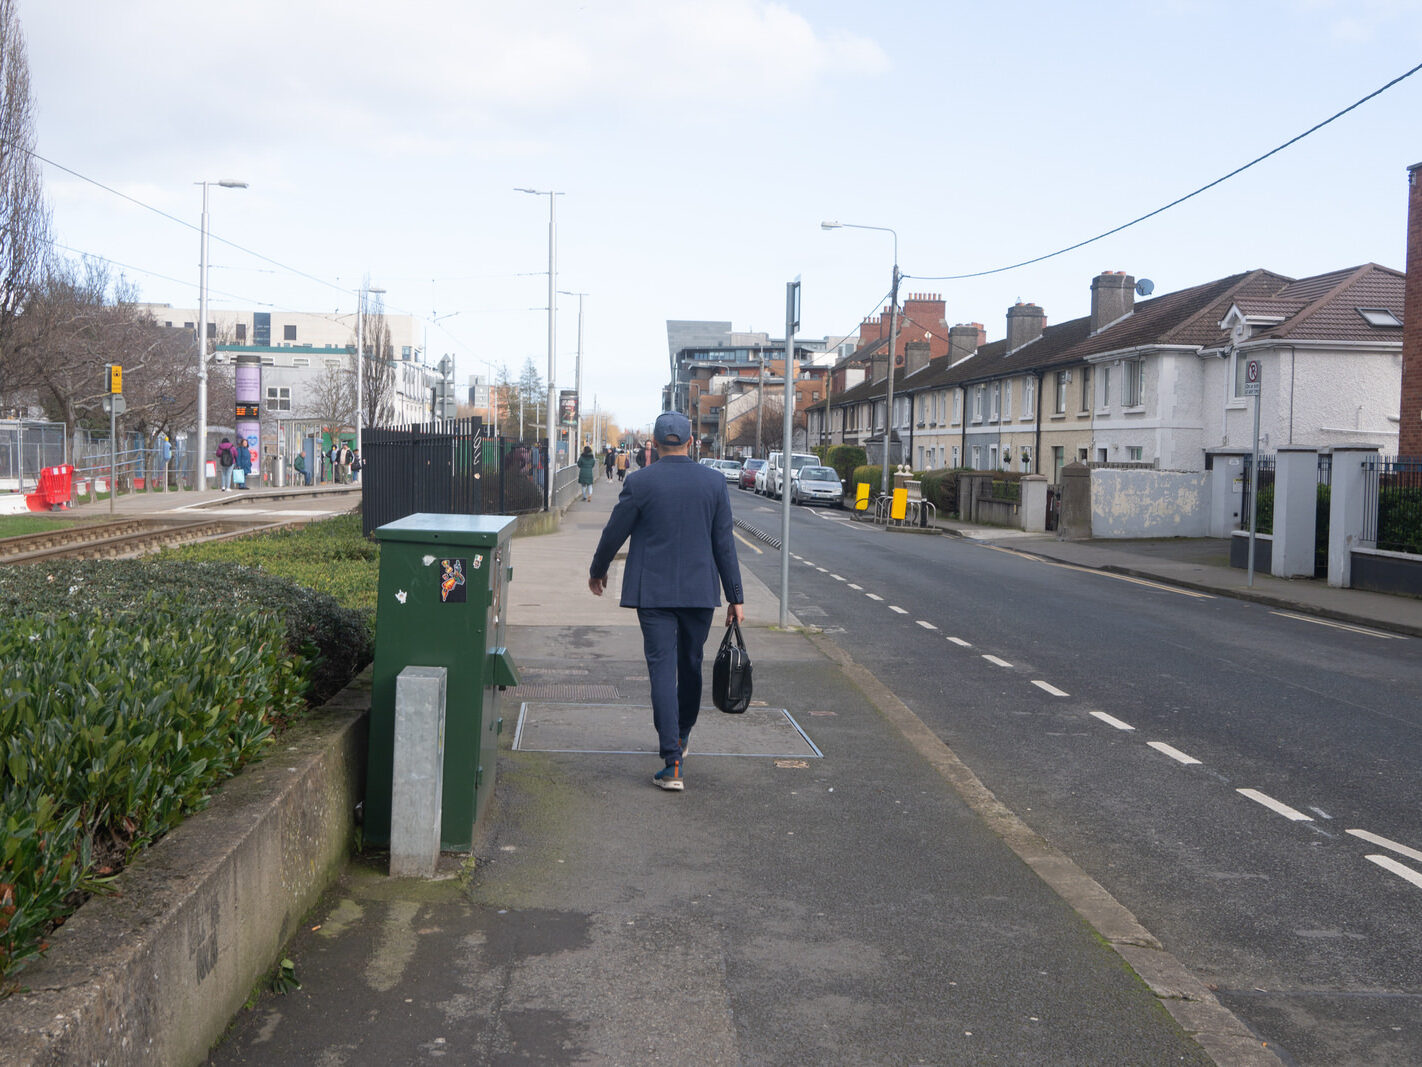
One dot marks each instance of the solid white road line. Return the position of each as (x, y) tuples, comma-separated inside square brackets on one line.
[(926, 625), (995, 660), (1387, 863), (1339, 625), (898, 610), (1401, 850), (1048, 687), (1106, 574), (873, 596), (1277, 807), (1173, 753), (1111, 720), (960, 642)]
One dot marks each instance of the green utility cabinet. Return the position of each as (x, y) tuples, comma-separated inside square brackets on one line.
[(442, 603)]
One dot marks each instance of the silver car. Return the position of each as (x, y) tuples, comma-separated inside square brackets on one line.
[(816, 485)]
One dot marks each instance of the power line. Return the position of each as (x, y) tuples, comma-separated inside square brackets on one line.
[(1175, 202)]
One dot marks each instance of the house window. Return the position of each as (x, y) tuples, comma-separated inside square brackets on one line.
[(1101, 455), (1135, 372), (1058, 462), (977, 457), (1061, 392), (996, 401), (1105, 387), (288, 333), (404, 351), (979, 402), (278, 398), (1133, 453), (955, 455), (301, 361), (241, 333), (269, 361), (1007, 400), (333, 364), (879, 413), (992, 457), (1081, 454), (957, 407), (1029, 398), (1085, 390), (920, 458)]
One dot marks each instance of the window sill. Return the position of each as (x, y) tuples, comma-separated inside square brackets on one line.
[(1058, 417), (1134, 411)]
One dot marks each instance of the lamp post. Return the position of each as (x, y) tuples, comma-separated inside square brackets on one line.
[(365, 290), (578, 372), (200, 476), (549, 450), (885, 481)]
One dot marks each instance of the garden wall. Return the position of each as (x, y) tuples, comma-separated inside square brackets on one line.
[(1149, 503)]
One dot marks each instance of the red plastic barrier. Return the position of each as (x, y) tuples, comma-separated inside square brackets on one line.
[(55, 485)]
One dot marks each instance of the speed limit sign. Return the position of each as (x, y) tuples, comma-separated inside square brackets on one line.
[(1252, 373)]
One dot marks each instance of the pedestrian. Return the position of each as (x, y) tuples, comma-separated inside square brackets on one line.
[(587, 471), (609, 461), (678, 516), (535, 465), (621, 464), (299, 465), (357, 465), (644, 454), (244, 462), (226, 461), (331, 457)]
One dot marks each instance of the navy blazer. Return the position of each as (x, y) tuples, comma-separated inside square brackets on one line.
[(678, 515)]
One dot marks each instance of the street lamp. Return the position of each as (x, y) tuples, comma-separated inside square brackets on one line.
[(578, 374), (365, 290), (200, 478), (552, 196), (885, 481)]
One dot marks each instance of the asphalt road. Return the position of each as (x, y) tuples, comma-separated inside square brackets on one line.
[(1244, 781)]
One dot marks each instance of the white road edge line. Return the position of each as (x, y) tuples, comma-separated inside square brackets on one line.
[(1339, 625), (1171, 751), (1401, 850), (960, 642), (996, 660), (1277, 807), (1111, 720), (926, 625), (1048, 687), (1387, 863)]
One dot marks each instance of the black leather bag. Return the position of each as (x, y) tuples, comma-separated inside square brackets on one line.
[(731, 673)]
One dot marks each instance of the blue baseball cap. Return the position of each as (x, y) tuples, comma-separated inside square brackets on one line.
[(671, 428)]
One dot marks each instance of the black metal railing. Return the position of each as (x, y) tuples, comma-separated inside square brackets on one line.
[(447, 468), (1392, 504), (1265, 493)]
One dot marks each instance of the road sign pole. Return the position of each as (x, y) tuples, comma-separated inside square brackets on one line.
[(1251, 384)]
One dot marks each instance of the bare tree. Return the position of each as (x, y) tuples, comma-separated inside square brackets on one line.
[(24, 213), (378, 371), (331, 399)]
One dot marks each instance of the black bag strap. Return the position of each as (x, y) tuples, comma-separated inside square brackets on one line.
[(735, 628)]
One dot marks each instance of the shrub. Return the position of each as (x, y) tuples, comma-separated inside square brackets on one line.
[(865, 475), (845, 459), (940, 488)]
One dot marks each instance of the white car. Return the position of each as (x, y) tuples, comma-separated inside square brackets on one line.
[(730, 468), (775, 477)]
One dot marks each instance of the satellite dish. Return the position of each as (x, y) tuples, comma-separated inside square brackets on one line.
[(1145, 287)]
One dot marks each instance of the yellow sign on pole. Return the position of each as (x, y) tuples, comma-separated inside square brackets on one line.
[(115, 378)]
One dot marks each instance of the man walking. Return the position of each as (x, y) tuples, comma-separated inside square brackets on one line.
[(678, 515)]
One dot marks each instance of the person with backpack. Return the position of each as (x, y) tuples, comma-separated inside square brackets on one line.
[(244, 463), (226, 461), (357, 465)]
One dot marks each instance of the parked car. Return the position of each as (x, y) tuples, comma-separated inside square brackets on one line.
[(749, 469), (816, 485), (730, 468), (774, 476)]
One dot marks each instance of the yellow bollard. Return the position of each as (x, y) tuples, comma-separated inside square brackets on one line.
[(899, 508), (861, 497)]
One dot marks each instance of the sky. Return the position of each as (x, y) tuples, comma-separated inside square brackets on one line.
[(698, 144)]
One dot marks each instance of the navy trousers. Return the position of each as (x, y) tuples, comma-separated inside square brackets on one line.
[(674, 640)]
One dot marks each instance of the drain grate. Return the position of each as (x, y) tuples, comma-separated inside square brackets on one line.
[(573, 694)]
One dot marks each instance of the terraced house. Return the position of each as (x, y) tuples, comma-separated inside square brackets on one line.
[(1158, 382)]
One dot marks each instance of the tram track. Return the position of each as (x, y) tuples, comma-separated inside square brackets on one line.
[(120, 539)]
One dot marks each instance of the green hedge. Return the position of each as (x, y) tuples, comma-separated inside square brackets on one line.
[(845, 459), (113, 727)]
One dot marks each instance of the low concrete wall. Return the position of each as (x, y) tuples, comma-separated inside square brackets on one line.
[(153, 973), (1263, 551), (1148, 503), (1387, 572)]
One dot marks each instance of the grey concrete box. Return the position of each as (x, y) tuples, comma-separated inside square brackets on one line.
[(418, 779)]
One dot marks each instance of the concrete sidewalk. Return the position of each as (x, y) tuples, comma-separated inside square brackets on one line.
[(832, 887)]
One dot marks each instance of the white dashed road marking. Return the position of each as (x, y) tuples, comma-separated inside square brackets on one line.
[(898, 610), (1277, 807), (837, 577), (997, 662), (1048, 687), (857, 588), (873, 596), (960, 642), (1173, 753), (1111, 720), (926, 625), (1387, 863), (1401, 850)]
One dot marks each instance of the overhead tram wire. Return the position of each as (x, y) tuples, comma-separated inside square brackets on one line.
[(1174, 203)]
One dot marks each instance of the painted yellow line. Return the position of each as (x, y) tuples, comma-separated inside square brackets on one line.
[(753, 547), (1339, 625)]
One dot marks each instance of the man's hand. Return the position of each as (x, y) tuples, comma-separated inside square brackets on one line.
[(597, 585), (735, 613)]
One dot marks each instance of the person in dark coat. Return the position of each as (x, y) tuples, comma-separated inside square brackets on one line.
[(678, 516), (587, 471)]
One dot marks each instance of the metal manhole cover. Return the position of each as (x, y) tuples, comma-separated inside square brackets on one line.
[(575, 693), (623, 729)]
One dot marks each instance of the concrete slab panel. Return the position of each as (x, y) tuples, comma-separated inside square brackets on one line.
[(623, 729)]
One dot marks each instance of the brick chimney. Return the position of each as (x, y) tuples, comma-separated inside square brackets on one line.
[(964, 339), (1025, 323), (1113, 295), (1409, 439), (915, 356)]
